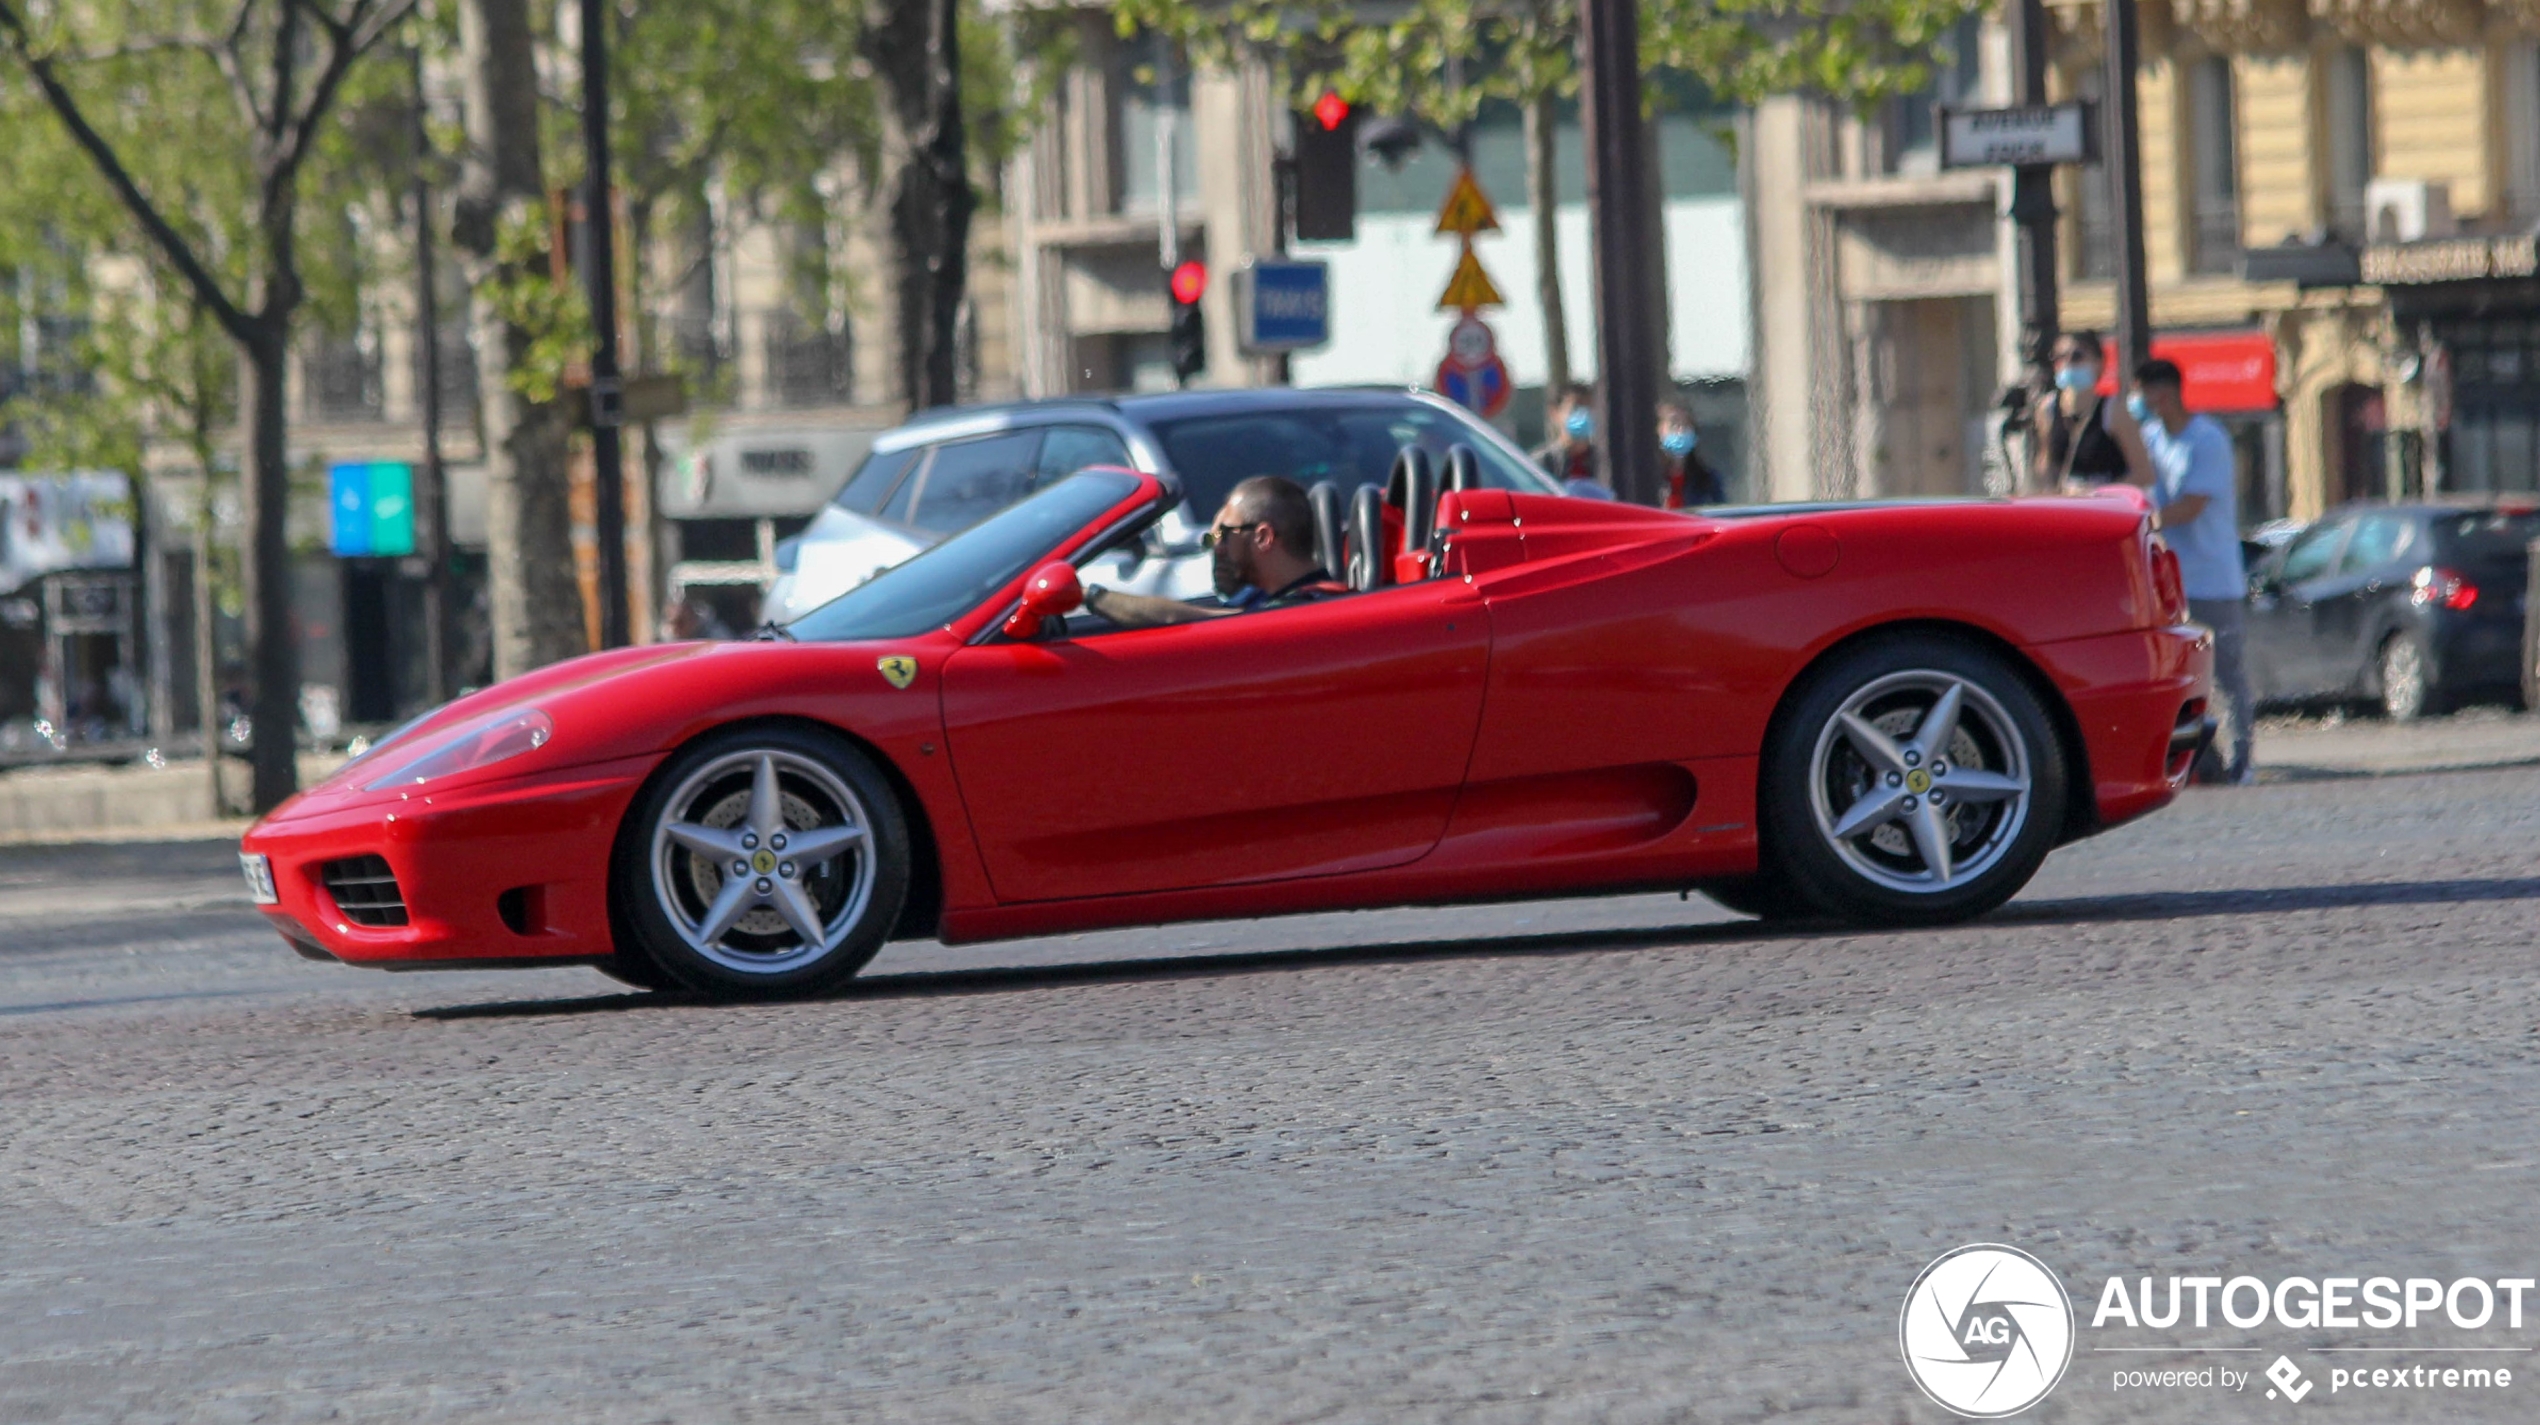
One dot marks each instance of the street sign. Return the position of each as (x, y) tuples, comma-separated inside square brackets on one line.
[(1470, 287), (2021, 135), (374, 505), (1472, 375), (1282, 306), (1466, 211)]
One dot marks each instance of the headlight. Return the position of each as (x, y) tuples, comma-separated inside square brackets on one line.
[(506, 734)]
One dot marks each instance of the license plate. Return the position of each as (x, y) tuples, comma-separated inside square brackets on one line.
[(259, 879)]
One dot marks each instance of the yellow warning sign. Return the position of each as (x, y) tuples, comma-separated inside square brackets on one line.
[(1467, 212), (1470, 287)]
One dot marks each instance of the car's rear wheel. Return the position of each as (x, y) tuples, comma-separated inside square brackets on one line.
[(765, 862), (2404, 679), (1912, 780)]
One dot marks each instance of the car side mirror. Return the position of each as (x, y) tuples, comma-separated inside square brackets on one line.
[(1051, 592)]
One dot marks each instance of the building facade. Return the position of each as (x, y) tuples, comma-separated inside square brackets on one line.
[(1129, 129), (2338, 200)]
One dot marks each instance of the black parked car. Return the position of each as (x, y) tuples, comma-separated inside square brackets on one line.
[(2414, 608)]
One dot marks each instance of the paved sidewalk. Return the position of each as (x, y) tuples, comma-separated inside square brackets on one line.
[(2315, 747)]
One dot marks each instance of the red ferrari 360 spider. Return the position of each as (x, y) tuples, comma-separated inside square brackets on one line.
[(1887, 713)]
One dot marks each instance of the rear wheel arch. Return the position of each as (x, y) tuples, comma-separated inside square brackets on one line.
[(2081, 802)]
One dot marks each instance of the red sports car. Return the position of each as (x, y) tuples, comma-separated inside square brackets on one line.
[(1887, 713)]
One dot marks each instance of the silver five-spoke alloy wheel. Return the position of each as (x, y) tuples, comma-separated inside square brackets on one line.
[(763, 861), (1920, 781)]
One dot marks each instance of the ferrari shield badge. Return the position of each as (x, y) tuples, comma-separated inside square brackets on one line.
[(899, 669)]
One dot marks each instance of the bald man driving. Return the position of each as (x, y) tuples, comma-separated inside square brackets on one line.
[(1261, 556)]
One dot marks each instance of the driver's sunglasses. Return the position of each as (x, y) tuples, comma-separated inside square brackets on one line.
[(1219, 534)]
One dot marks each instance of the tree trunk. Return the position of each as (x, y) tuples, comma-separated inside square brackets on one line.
[(1543, 206), (916, 50), (1654, 170), (537, 600), (274, 651)]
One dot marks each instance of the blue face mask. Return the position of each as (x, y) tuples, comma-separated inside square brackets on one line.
[(1677, 442), (1580, 424), (2138, 408), (2076, 378)]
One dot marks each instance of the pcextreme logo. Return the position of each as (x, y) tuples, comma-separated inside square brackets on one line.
[(1986, 1331)]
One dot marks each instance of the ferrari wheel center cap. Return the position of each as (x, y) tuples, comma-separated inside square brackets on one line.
[(1917, 781), (763, 862)]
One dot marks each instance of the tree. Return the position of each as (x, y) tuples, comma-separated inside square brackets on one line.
[(521, 316), (284, 65), (914, 47), (1440, 60)]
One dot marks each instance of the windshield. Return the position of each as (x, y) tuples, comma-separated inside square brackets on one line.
[(943, 583), (1347, 444)]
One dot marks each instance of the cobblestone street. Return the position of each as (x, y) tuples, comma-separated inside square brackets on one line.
[(1621, 1160)]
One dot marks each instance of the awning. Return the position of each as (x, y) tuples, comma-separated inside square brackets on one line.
[(2220, 371)]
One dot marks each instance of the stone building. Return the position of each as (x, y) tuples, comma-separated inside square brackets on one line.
[(2339, 198)]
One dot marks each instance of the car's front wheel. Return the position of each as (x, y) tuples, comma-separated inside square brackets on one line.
[(1912, 780), (765, 862)]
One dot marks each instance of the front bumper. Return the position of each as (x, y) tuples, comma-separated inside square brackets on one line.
[(513, 870)]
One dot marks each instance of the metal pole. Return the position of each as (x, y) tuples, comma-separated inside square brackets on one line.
[(432, 505), (608, 406), (2033, 208), (2123, 153), (1618, 207)]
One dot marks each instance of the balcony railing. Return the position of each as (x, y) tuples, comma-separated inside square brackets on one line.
[(807, 365), (341, 378), (2214, 241)]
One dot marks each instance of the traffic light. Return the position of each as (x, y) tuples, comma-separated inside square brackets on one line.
[(1190, 338), (1326, 162)]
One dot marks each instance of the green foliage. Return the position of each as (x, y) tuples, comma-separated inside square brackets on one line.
[(1442, 59), (526, 295)]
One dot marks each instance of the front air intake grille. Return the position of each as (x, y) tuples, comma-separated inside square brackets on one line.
[(365, 890)]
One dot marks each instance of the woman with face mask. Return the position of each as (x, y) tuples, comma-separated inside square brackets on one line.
[(1690, 479), (1570, 455), (2083, 439)]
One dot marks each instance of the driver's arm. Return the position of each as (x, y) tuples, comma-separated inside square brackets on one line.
[(1145, 610)]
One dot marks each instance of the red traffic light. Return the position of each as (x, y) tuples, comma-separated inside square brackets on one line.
[(1189, 280), (1330, 110)]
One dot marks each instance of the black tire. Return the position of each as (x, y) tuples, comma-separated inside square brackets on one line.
[(1822, 775), (670, 894), (1767, 898), (633, 969), (2403, 684)]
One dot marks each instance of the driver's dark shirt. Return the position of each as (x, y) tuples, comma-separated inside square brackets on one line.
[(1304, 589)]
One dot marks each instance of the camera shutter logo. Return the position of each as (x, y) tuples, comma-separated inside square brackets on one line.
[(1986, 1331)]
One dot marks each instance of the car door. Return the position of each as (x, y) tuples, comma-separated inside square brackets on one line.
[(1298, 741), (2284, 616), (2345, 612)]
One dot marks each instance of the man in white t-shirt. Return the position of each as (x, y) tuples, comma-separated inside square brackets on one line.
[(2193, 479)]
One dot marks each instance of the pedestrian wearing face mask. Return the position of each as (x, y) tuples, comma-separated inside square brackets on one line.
[(1570, 456), (1690, 479), (2084, 440)]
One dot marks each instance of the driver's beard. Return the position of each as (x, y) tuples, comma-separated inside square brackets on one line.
[(1228, 567)]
